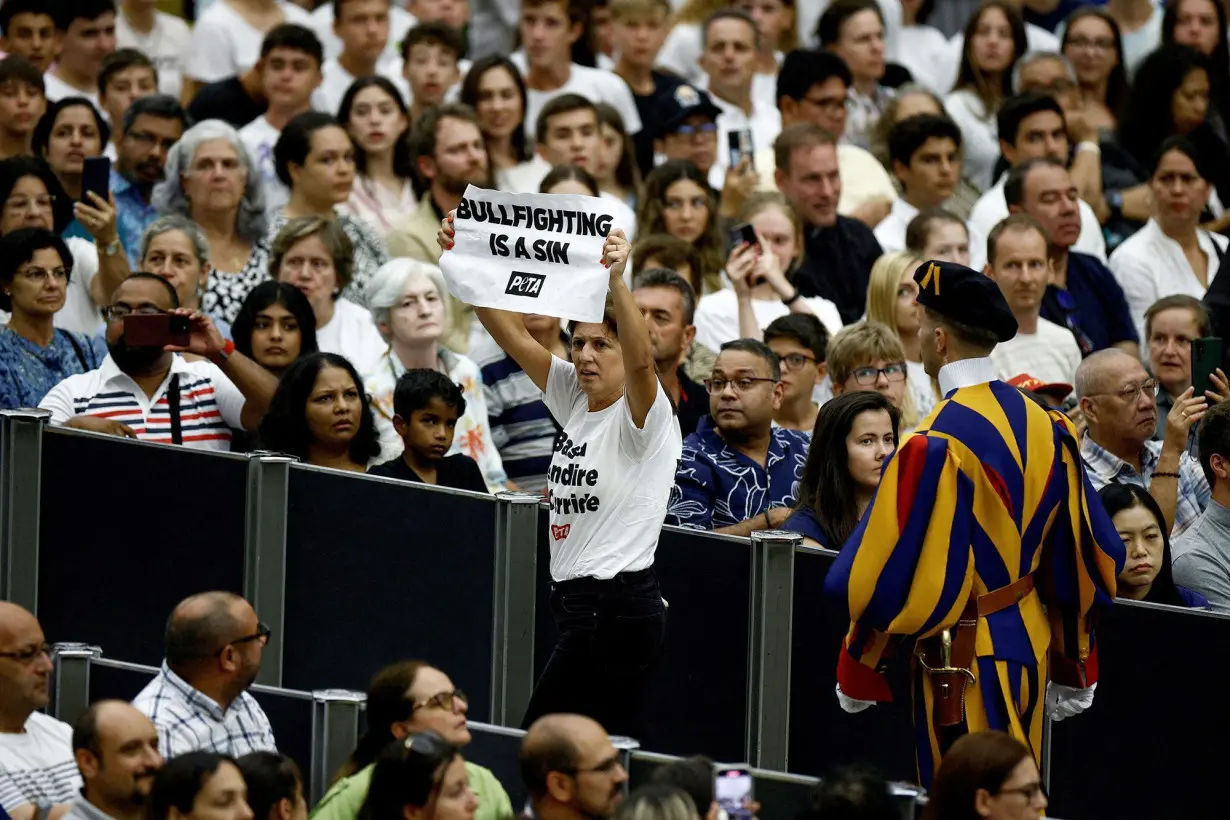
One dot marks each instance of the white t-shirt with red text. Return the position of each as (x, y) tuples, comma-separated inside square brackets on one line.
[(609, 482)]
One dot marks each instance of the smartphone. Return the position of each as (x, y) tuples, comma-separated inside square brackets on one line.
[(743, 233), (740, 145), (1206, 358), (96, 177), (155, 330), (732, 789)]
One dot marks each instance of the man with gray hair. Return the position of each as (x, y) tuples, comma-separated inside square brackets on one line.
[(199, 700), (1117, 399), (668, 304), (150, 128)]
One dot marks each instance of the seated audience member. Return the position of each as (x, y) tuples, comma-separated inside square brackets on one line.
[(1202, 552), (987, 774), (360, 41), (1083, 295), (655, 800), (21, 104), (494, 89), (1171, 253), (686, 128), (116, 749), (321, 415), (739, 473), (80, 132), (164, 37), (855, 434), (678, 201), (275, 786), (892, 296), (424, 776), (1017, 261), (199, 699), (37, 768), (407, 301), (1053, 395), (316, 256), (150, 393), (148, 131), (1147, 574), (556, 753), (85, 35), (569, 133), (638, 30), (869, 356), (429, 64), (200, 785), (1117, 400), (693, 775), (938, 234), (669, 306), (35, 355), (800, 342), (377, 119), (1171, 324), (28, 30), (175, 248), (661, 250), (127, 75), (813, 87), (404, 699), (856, 792), (426, 406), (762, 276), (275, 326), (854, 31)]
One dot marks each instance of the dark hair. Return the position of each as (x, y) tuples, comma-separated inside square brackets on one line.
[(693, 775), (609, 320), (711, 245), (919, 229), (564, 173), (11, 8), (1117, 82), (68, 12), (469, 96), (388, 702), (47, 122), (271, 778), (406, 773), (670, 252), (756, 348), (804, 69), (18, 247), (827, 489), (976, 337), (295, 142), (666, 278), (284, 427), (423, 135), (180, 780), (22, 70), (1017, 109), (972, 78), (1014, 185), (296, 38), (85, 730), (190, 638), (855, 792), (1018, 222), (161, 106), (403, 166), (146, 276), (274, 293), (627, 172), (828, 29), (1118, 497), (1184, 146), (1219, 60), (120, 60), (982, 760), (563, 104), (1147, 118), (1214, 438), (1179, 301), (803, 328), (434, 33), (729, 13), (416, 388), (909, 135), (555, 751)]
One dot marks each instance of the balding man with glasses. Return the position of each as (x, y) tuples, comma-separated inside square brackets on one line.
[(1117, 398), (199, 700)]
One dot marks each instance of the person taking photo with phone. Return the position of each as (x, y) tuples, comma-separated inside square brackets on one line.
[(619, 431)]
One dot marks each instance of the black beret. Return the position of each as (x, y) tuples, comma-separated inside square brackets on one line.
[(964, 295)]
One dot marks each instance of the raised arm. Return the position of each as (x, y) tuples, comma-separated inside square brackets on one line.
[(640, 376)]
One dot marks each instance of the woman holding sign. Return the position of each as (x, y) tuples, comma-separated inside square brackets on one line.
[(609, 482)]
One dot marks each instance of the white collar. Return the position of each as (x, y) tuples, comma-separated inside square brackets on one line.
[(966, 373)]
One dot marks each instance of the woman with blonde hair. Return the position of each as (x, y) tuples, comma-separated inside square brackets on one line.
[(891, 301), (658, 801)]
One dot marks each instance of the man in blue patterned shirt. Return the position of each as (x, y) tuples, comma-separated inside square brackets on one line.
[(151, 125), (738, 472)]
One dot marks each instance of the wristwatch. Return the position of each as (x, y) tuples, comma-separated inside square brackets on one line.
[(112, 248)]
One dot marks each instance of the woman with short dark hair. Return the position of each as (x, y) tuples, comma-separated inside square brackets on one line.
[(986, 775), (1147, 574), (275, 786), (420, 778), (199, 786), (275, 326)]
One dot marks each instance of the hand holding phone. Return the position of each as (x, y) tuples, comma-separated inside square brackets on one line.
[(733, 790), (739, 143), (156, 330), (96, 179), (1207, 356)]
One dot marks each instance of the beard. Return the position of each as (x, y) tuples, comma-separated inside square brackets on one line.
[(133, 359), (456, 186)]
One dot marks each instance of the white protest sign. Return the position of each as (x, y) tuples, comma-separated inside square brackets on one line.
[(530, 253)]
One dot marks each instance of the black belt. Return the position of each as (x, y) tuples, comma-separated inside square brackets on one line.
[(589, 583)]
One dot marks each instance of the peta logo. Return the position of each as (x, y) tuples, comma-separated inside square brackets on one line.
[(525, 284), (560, 533)]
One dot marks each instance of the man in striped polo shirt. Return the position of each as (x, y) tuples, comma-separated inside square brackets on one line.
[(155, 394)]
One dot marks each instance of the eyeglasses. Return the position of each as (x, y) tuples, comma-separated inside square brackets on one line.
[(262, 635), (832, 106), (1131, 392), (692, 130), (30, 203), (716, 386), (117, 312), (1092, 43), (1030, 792), (149, 140), (445, 700), (795, 361), (41, 275), (608, 766), (870, 375), (25, 657)]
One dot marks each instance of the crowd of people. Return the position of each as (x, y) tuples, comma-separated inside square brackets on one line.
[(226, 233)]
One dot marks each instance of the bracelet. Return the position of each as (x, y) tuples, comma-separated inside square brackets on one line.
[(223, 355), (1164, 475), (1089, 145), (797, 296)]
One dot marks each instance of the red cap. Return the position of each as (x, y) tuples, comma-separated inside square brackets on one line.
[(1028, 382)]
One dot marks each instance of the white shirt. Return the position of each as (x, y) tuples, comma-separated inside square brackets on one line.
[(224, 44), (809, 14), (351, 333), (681, 51), (592, 83), (609, 481), (168, 44), (57, 89), (920, 387), (1036, 39), (79, 313), (925, 52), (965, 373), (890, 233), (400, 22), (336, 81), (188, 720), (1050, 354), (765, 123), (717, 315), (1142, 42), (764, 86), (979, 136), (1150, 265), (37, 766), (991, 209), (259, 137)]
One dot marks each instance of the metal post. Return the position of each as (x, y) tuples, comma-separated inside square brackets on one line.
[(768, 680), (70, 683), (264, 583), (1048, 737), (516, 588), (21, 457), (335, 733), (624, 747)]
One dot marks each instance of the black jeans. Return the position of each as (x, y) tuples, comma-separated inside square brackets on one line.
[(610, 633)]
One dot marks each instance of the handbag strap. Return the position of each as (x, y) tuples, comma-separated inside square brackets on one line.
[(85, 368), (177, 433)]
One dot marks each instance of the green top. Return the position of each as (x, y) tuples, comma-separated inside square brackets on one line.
[(345, 798)]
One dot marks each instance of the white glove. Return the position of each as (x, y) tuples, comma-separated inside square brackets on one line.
[(1066, 701), (852, 705)]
